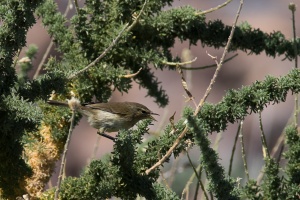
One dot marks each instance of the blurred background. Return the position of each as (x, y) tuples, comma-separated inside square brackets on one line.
[(267, 15)]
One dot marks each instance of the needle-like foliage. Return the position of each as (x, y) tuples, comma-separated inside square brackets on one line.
[(141, 35)]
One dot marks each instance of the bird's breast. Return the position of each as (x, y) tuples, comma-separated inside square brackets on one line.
[(110, 122)]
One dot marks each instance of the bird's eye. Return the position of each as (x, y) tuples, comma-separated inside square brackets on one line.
[(144, 112)]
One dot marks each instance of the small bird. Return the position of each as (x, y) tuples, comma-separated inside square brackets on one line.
[(111, 116)]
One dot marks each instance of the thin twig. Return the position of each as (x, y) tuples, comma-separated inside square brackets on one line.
[(243, 151), (183, 81), (179, 63), (136, 18), (92, 64), (280, 153), (197, 175), (182, 134), (279, 142), (233, 148), (46, 54), (264, 147), (281, 138), (219, 65), (292, 7), (130, 75), (167, 155), (296, 110), (38, 70), (213, 9), (196, 191), (185, 87), (63, 161), (190, 161), (266, 153), (187, 55), (207, 66), (107, 136), (172, 171), (185, 190), (126, 28), (164, 180)]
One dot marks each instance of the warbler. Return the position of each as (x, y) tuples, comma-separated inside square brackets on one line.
[(111, 116)]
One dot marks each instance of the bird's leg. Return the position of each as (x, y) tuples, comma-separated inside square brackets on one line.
[(107, 136)]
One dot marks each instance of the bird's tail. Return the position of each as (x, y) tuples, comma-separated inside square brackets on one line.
[(57, 103)]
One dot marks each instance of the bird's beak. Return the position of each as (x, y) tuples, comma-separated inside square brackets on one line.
[(151, 117)]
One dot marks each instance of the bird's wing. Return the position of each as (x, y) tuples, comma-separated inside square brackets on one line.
[(112, 108)]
